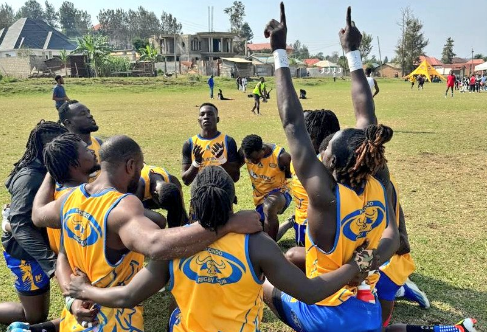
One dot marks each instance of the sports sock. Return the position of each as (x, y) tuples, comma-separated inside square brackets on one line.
[(435, 328), (43, 327)]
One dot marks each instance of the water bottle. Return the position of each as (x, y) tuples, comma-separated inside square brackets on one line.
[(364, 293)]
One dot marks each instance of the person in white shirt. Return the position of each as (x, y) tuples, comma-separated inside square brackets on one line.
[(372, 82)]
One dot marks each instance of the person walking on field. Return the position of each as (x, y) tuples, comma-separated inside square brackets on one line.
[(450, 82), (372, 82), (58, 93), (259, 91), (211, 84)]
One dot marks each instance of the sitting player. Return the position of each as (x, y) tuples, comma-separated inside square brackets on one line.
[(230, 272), (302, 94), (267, 165), (220, 95)]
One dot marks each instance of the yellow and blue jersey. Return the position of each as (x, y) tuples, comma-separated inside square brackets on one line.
[(360, 216), (222, 274), (399, 267), (267, 176), (54, 234), (145, 176), (84, 234), (207, 145), (95, 146), (300, 198)]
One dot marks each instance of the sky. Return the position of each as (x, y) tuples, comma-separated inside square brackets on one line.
[(316, 23)]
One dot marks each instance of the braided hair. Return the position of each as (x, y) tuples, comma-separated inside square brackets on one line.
[(360, 153), (60, 154), (319, 124), (212, 195), (35, 143)]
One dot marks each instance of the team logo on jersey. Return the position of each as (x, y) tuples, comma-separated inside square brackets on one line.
[(81, 227), (272, 165), (359, 223), (213, 267)]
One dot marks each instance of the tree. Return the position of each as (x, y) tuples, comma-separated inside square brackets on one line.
[(50, 15), (366, 45), (64, 56), (300, 51), (114, 25), (478, 56), (95, 48), (318, 56), (7, 16), (139, 43), (447, 54), (412, 43), (236, 13), (31, 9), (170, 25), (148, 53), (246, 32), (333, 57), (74, 22), (343, 62), (386, 60), (142, 23)]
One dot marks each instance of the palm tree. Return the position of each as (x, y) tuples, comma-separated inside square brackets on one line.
[(148, 53), (95, 48), (64, 56)]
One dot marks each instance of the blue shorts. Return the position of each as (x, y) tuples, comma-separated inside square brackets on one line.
[(299, 233), (353, 315), (174, 319), (30, 279), (386, 288), (287, 196)]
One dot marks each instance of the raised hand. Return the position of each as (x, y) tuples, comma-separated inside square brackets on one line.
[(198, 153), (350, 36), (277, 31), (217, 150)]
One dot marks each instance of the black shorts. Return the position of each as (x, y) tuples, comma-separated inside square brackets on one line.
[(256, 97)]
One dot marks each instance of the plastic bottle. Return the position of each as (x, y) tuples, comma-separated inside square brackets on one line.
[(364, 293)]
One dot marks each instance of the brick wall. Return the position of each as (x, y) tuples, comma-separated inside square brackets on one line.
[(21, 67)]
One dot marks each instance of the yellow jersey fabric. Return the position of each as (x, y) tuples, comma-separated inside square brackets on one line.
[(266, 176), (300, 198), (360, 216), (399, 267), (207, 145), (145, 176), (95, 146), (256, 89), (217, 289), (54, 234), (84, 233)]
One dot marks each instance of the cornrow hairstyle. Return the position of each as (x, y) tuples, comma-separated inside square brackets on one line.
[(212, 195), (35, 144), (360, 153), (321, 123), (169, 198), (63, 110), (209, 104), (251, 143), (60, 154)]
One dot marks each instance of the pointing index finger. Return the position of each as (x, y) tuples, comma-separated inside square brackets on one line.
[(349, 16), (283, 14)]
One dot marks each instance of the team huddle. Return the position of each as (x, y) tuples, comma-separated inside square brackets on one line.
[(84, 211)]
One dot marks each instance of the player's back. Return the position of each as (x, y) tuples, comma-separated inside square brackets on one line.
[(217, 289)]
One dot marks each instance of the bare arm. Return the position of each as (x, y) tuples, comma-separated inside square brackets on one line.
[(376, 86), (45, 210), (284, 162), (389, 242), (189, 172), (145, 283), (128, 221), (156, 218), (404, 247)]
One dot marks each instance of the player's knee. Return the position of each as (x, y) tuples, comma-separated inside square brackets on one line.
[(270, 207), (36, 316)]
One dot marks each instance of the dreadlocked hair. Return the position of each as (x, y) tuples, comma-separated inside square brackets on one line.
[(360, 153), (60, 154), (321, 123), (35, 143), (251, 143), (212, 195)]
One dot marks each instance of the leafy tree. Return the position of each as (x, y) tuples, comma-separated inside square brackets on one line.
[(7, 16), (412, 43), (142, 23), (170, 25), (318, 56), (333, 57), (50, 15), (300, 51), (31, 9), (114, 25), (366, 45), (148, 53), (237, 14), (139, 43), (447, 55), (343, 62), (96, 48), (74, 22), (246, 32), (478, 56)]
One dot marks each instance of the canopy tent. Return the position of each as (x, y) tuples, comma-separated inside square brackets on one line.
[(482, 66), (427, 70)]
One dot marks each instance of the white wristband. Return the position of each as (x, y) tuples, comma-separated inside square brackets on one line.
[(195, 164), (354, 60), (280, 59)]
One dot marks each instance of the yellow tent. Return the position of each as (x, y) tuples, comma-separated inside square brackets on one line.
[(427, 70)]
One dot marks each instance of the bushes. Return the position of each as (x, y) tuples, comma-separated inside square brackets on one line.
[(111, 64)]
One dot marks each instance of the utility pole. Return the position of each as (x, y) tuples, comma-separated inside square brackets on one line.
[(175, 69), (471, 64), (380, 57)]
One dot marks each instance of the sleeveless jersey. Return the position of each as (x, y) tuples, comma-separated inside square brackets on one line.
[(145, 176), (399, 267), (300, 198), (359, 217), (266, 176), (256, 89), (217, 289), (84, 233), (207, 145), (54, 234), (95, 147), (371, 82)]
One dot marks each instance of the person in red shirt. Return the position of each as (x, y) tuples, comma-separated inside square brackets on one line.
[(450, 82), (472, 83)]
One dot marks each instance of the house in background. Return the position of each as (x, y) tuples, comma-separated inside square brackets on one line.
[(434, 62), (390, 70), (264, 48)]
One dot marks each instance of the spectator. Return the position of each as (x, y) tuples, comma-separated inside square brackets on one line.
[(211, 84), (58, 93), (472, 83)]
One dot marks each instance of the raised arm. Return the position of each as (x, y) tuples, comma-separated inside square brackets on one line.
[(188, 169), (363, 103), (129, 222), (317, 181), (45, 210), (145, 283)]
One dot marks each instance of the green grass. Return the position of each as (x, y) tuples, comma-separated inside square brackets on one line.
[(438, 156)]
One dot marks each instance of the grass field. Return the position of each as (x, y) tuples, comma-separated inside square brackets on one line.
[(438, 156)]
